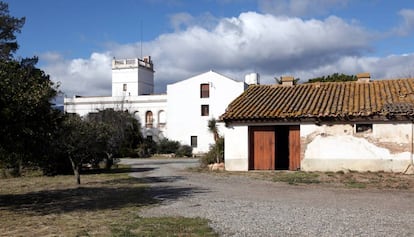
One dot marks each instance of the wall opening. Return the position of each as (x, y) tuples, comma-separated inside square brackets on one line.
[(205, 110), (193, 141), (204, 90), (148, 119), (363, 127), (274, 147), (282, 148)]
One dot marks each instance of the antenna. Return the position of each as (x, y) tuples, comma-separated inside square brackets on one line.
[(140, 21)]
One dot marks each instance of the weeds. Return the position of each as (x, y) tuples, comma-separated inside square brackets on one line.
[(296, 177)]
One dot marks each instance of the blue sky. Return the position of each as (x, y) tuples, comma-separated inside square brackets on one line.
[(76, 39)]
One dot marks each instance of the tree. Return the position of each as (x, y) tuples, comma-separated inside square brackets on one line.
[(336, 77), (126, 132), (9, 26), (212, 127), (27, 118), (83, 142)]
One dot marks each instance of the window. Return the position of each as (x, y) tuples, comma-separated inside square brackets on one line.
[(125, 87), (193, 141), (148, 119), (360, 128), (149, 138), (204, 110), (162, 117), (204, 90)]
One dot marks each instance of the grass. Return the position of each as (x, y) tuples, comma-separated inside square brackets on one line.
[(296, 177), (105, 204), (166, 226), (353, 179)]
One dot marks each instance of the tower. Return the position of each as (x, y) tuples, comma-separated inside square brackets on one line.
[(132, 77)]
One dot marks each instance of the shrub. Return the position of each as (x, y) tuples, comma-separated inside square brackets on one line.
[(216, 151), (184, 151), (166, 146), (145, 149)]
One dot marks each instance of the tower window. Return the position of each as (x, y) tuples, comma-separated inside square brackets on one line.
[(124, 87), (204, 90), (204, 110)]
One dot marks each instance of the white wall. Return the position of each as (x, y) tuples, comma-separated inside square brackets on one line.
[(145, 82), (332, 148), (127, 76), (236, 154), (136, 74), (184, 107), (335, 147), (137, 105)]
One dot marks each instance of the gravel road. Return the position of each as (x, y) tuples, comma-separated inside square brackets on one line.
[(242, 206)]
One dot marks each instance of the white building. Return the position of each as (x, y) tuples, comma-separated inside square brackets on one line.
[(180, 115), (194, 101)]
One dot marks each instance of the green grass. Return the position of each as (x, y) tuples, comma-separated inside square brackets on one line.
[(106, 204), (165, 226), (354, 184), (296, 177)]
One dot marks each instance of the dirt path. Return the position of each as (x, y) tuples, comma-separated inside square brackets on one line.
[(242, 206)]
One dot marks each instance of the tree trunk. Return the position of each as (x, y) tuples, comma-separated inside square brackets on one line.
[(109, 161), (76, 171)]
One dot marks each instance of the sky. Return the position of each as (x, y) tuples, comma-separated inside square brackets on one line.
[(76, 40)]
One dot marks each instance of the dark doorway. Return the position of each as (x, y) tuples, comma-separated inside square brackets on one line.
[(274, 147), (282, 148)]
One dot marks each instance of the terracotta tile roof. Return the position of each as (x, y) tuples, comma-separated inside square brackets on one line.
[(379, 99)]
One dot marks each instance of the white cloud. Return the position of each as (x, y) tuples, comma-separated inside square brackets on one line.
[(390, 67), (180, 20), (300, 7), (252, 42), (407, 25), (90, 76)]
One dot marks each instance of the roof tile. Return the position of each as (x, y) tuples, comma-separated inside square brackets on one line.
[(323, 101)]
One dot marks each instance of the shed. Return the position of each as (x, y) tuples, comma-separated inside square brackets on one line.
[(362, 125)]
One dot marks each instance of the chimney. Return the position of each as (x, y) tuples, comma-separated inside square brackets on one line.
[(252, 79), (363, 77), (287, 80)]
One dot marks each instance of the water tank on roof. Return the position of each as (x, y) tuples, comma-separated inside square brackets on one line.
[(252, 79)]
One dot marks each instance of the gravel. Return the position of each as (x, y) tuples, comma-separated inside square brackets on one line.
[(242, 206)]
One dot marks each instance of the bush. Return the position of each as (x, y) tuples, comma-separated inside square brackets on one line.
[(145, 149), (184, 151), (216, 150), (166, 146)]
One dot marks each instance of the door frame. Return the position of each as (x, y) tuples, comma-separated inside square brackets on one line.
[(293, 143)]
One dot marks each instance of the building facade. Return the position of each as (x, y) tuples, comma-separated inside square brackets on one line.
[(360, 126), (180, 115), (191, 103)]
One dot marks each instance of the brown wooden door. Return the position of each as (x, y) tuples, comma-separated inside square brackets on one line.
[(294, 147), (262, 148)]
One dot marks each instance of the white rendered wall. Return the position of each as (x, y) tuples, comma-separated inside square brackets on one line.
[(339, 147), (137, 105), (145, 82), (184, 107), (236, 152), (128, 76), (136, 74)]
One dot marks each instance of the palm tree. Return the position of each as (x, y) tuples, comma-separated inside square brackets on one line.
[(212, 127)]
